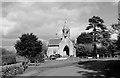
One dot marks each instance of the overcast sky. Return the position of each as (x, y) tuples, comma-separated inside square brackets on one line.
[(45, 19)]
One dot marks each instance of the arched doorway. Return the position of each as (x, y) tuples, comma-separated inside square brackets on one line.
[(66, 49)]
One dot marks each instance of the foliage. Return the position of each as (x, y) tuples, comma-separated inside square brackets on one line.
[(83, 49), (84, 38), (112, 47), (115, 28), (14, 69), (8, 59), (102, 51), (38, 58), (80, 50), (96, 23), (28, 46), (44, 49), (118, 43)]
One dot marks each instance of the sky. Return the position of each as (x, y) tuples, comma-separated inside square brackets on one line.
[(45, 18)]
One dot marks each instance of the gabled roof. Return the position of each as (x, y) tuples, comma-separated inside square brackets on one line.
[(54, 41)]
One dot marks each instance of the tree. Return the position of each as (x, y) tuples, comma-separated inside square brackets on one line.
[(28, 46), (84, 38), (83, 49), (80, 50), (96, 23), (105, 39), (44, 49), (118, 43), (116, 29)]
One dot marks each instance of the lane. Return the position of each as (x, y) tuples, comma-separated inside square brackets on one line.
[(65, 71), (59, 68)]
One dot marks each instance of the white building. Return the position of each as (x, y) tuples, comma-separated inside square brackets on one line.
[(63, 46)]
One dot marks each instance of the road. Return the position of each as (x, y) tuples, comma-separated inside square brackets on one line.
[(65, 71), (67, 68)]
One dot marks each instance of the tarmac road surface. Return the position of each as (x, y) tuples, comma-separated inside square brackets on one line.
[(64, 71)]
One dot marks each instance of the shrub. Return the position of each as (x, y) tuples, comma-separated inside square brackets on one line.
[(8, 59), (38, 59), (102, 51), (80, 49), (14, 69), (83, 49)]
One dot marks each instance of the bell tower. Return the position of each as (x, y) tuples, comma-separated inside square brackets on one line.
[(66, 30)]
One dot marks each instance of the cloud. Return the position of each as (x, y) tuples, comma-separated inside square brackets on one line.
[(7, 26), (44, 19), (33, 17)]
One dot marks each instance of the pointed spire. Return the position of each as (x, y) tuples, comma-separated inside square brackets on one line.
[(66, 30), (65, 24)]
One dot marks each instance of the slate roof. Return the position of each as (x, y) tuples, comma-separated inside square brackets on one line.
[(54, 41)]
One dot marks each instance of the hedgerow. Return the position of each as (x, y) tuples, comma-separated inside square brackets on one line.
[(13, 69)]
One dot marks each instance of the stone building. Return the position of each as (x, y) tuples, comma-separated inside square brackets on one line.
[(63, 46)]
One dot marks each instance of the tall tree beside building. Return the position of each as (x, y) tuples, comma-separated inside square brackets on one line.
[(97, 24)]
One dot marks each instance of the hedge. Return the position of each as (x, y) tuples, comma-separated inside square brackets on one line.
[(13, 69), (8, 59)]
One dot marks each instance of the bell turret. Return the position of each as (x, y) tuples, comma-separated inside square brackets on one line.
[(66, 31)]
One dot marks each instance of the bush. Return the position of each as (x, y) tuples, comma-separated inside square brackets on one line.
[(14, 69), (38, 59), (80, 49), (83, 49), (8, 59), (102, 51)]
